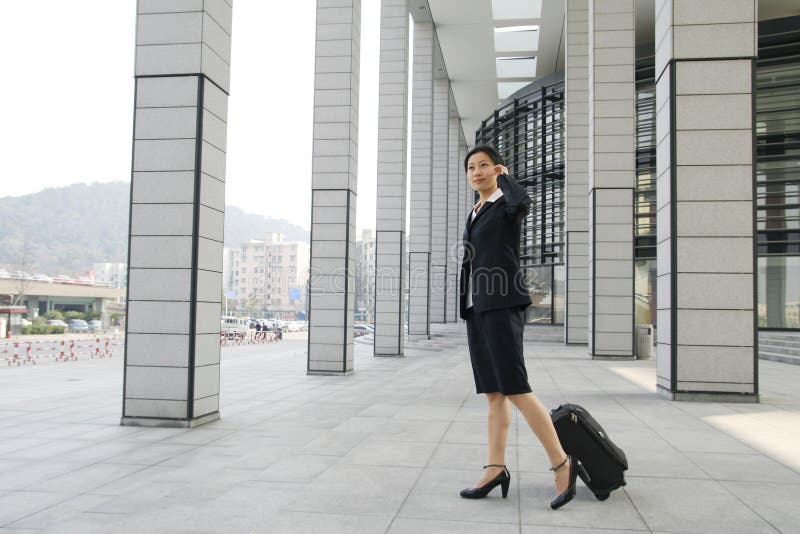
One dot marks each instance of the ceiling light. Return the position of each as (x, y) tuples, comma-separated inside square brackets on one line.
[(516, 9), (516, 41), (506, 89), (503, 29), (516, 67)]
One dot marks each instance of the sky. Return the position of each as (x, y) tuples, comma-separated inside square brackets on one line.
[(67, 101)]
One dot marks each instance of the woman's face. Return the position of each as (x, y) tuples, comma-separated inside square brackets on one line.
[(481, 172)]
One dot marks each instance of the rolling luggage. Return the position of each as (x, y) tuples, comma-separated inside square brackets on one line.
[(584, 438)]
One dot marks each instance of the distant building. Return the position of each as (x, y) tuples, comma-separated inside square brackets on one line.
[(365, 278), (267, 278), (114, 273)]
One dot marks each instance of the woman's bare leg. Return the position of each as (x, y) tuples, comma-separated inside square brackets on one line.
[(539, 420), (498, 423)]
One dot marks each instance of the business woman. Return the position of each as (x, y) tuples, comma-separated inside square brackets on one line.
[(493, 298)]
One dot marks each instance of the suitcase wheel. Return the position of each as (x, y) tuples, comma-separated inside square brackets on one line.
[(602, 496)]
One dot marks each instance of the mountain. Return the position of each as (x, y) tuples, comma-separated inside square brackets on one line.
[(67, 229)]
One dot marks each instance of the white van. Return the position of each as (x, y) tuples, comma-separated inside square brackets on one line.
[(234, 325)]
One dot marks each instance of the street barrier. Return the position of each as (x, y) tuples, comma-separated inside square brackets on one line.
[(23, 352), (251, 337)]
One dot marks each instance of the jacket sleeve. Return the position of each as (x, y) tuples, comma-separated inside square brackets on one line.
[(518, 202)]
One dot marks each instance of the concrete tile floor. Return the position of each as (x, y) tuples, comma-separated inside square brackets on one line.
[(386, 450)]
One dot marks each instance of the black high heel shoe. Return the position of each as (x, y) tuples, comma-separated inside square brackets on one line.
[(503, 480), (574, 468)]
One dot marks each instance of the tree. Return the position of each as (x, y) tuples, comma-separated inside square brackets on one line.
[(54, 315)]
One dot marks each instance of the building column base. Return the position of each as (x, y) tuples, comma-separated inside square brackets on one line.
[(389, 355), (169, 423), (329, 373), (690, 396), (621, 357)]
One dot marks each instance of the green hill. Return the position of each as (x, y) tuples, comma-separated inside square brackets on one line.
[(67, 229)]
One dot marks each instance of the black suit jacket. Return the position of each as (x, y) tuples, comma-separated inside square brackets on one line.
[(491, 252)]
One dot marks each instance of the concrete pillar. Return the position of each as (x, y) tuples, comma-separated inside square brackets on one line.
[(612, 177), (707, 342), (333, 188), (454, 193), (439, 178), (467, 195), (391, 191), (576, 110), (419, 245), (177, 214)]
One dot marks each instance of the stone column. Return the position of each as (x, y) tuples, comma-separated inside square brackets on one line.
[(612, 177), (439, 169), (454, 194), (177, 213), (707, 342), (577, 170), (333, 188), (419, 246), (391, 191)]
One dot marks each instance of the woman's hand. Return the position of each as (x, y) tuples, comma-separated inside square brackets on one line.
[(500, 169)]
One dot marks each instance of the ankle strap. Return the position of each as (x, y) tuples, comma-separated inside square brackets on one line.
[(559, 466), (495, 465)]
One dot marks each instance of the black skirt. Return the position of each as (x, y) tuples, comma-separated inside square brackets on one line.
[(495, 349)]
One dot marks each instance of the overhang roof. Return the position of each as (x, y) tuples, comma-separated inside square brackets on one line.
[(466, 33)]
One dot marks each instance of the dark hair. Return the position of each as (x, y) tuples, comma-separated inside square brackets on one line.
[(489, 150)]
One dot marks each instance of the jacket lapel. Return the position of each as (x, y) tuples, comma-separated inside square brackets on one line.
[(486, 207)]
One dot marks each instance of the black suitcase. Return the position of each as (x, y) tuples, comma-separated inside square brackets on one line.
[(584, 438)]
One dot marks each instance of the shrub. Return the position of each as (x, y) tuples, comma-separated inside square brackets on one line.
[(54, 314), (41, 329), (74, 315)]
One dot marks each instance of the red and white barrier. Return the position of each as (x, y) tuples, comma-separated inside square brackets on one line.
[(251, 337), (29, 351)]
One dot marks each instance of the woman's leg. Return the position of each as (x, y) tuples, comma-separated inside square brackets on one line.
[(498, 423), (538, 419)]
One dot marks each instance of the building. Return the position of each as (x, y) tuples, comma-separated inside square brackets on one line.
[(657, 138), (112, 273), (267, 278), (365, 278)]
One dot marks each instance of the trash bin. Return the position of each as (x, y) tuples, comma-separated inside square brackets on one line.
[(644, 341)]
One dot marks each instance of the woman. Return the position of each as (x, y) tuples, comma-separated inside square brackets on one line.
[(493, 301)]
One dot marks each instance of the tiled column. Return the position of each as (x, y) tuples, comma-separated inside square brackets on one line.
[(707, 343), (177, 214), (333, 188), (467, 193), (612, 174), (440, 167), (577, 170), (419, 245), (391, 192), (454, 193)]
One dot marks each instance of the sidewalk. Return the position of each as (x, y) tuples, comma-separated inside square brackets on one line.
[(386, 450)]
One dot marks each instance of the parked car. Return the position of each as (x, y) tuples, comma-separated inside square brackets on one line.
[(77, 325), (364, 329), (4, 274), (41, 277), (57, 322), (26, 322), (357, 332), (62, 279), (96, 325)]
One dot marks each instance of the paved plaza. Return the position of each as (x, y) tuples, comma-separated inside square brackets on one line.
[(386, 449)]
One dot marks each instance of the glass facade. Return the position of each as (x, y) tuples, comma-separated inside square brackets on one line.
[(644, 268), (778, 173), (528, 131)]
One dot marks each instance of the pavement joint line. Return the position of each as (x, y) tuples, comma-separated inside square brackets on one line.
[(419, 476)]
